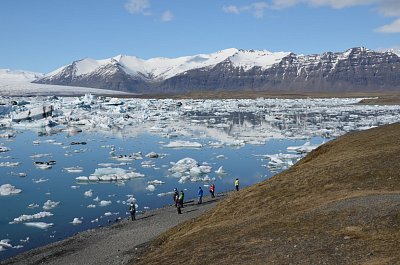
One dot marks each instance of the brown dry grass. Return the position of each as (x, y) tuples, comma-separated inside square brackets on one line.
[(339, 205)]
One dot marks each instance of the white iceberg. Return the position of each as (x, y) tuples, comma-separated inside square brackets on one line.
[(26, 217), (220, 171), (48, 205), (151, 188), (155, 182), (8, 189), (104, 203), (76, 221), (40, 225), (73, 169), (183, 144), (88, 193)]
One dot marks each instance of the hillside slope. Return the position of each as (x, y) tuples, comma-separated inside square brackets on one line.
[(338, 205)]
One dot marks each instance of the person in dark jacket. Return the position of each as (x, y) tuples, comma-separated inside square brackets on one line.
[(176, 197), (132, 210)]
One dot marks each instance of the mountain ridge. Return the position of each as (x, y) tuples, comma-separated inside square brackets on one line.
[(355, 70)]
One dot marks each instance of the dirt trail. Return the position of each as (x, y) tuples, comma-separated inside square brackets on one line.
[(116, 244)]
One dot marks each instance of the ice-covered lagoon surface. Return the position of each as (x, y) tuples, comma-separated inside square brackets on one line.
[(80, 167)]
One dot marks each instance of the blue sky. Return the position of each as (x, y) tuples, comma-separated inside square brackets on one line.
[(42, 35)]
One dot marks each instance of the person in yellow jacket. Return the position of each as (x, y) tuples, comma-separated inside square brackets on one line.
[(237, 184)]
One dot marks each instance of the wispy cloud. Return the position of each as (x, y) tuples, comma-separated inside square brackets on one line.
[(167, 16), (257, 9), (393, 27), (138, 7), (387, 8)]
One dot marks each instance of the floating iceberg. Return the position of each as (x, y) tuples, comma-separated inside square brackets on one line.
[(151, 188), (8, 189), (88, 193), (26, 217), (104, 203), (183, 144), (73, 169), (40, 225), (76, 221), (220, 171), (155, 182), (48, 205), (305, 148)]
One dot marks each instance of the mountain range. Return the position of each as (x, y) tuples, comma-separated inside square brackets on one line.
[(355, 70)]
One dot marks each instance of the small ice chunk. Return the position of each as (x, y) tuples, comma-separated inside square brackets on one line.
[(40, 225), (91, 206), (183, 144), (82, 178), (41, 180), (88, 193), (165, 194), (151, 188), (8, 189), (220, 171), (76, 221), (48, 205), (104, 203), (155, 182), (73, 169), (33, 205), (107, 214), (97, 199)]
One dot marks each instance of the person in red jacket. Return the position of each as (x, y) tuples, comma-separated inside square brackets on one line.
[(212, 190)]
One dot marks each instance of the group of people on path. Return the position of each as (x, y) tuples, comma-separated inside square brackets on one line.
[(180, 197)]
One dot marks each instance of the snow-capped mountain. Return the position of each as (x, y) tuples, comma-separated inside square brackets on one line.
[(357, 69)]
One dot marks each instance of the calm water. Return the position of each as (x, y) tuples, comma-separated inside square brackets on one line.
[(266, 126), (59, 185)]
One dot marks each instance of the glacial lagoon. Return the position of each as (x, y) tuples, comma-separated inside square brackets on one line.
[(80, 167)]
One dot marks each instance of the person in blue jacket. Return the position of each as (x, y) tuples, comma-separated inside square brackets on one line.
[(200, 196)]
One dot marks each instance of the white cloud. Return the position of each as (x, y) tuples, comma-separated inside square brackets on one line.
[(138, 7), (231, 9), (393, 27), (390, 8), (387, 8), (167, 16), (257, 9)]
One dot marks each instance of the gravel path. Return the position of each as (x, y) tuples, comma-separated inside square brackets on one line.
[(115, 244)]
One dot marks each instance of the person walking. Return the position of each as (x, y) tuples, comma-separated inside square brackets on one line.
[(237, 184), (176, 197), (212, 190), (132, 210), (181, 198), (200, 196)]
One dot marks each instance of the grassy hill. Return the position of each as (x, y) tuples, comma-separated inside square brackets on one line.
[(338, 205)]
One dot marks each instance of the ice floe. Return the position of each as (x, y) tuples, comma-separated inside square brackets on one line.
[(104, 203), (88, 193), (183, 144), (27, 217), (151, 188), (40, 225), (8, 189), (76, 221), (48, 205)]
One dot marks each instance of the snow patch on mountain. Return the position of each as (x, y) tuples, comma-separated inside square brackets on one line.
[(248, 59)]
